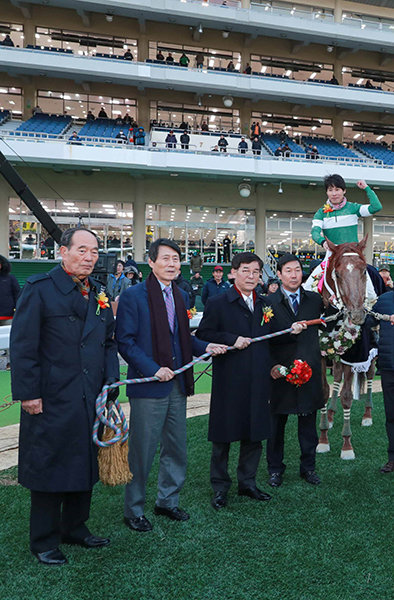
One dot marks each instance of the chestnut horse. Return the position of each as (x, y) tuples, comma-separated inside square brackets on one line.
[(346, 278)]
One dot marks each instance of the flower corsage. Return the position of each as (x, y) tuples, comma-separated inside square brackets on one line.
[(327, 208), (102, 302), (268, 313)]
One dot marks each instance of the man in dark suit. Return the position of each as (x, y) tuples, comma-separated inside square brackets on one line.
[(291, 302), (241, 381), (153, 334), (62, 352)]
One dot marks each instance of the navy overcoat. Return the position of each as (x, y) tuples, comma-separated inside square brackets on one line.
[(61, 351), (241, 378)]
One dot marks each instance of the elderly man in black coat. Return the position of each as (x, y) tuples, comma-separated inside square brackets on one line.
[(241, 381), (291, 302), (62, 352)]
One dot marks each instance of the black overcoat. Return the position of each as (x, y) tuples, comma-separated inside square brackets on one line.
[(241, 381), (286, 398), (62, 352)]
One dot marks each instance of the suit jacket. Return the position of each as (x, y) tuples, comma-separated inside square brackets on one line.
[(63, 352), (134, 337), (287, 398), (241, 381)]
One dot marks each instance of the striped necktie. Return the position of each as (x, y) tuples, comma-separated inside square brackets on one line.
[(294, 301), (170, 307)]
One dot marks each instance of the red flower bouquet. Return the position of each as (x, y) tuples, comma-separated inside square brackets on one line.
[(298, 373)]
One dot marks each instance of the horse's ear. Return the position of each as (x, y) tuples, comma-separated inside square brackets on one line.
[(363, 243), (331, 245)]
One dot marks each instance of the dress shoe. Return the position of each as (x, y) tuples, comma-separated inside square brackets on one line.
[(388, 467), (51, 557), (90, 541), (175, 514), (311, 477), (254, 493), (138, 523), (219, 500), (275, 479)]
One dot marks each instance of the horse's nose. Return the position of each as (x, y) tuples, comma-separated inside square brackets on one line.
[(358, 316)]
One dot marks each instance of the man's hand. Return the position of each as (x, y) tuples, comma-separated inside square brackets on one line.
[(165, 374), (33, 407), (391, 319), (216, 349), (242, 342), (275, 373), (298, 327), (362, 184)]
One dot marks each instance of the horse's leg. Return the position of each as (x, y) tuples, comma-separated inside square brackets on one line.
[(367, 416), (324, 445), (347, 452), (337, 372)]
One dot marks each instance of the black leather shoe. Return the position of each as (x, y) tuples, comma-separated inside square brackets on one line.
[(311, 477), (90, 541), (254, 493), (275, 479), (388, 467), (175, 514), (51, 557), (219, 500), (138, 523)]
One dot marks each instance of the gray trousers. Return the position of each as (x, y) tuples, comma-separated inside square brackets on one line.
[(154, 421)]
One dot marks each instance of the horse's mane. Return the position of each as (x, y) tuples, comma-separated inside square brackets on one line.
[(342, 249)]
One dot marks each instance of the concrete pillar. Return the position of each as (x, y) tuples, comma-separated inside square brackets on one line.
[(143, 48), (338, 11), (143, 118), (29, 30), (245, 3), (139, 235), (338, 72), (368, 229), (337, 126), (245, 58), (4, 226), (245, 113), (29, 100), (260, 243)]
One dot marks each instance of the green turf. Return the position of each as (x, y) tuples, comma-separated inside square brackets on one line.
[(332, 542)]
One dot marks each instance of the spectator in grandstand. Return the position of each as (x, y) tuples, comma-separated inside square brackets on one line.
[(286, 150), (102, 114), (131, 263), (242, 146), (315, 153), (139, 136), (215, 149), (334, 80), (121, 137), (368, 85), (196, 262), (127, 120), (309, 152), (255, 130), (226, 249), (36, 110), (131, 273), (75, 139), (204, 126), (230, 67), (200, 60), (171, 140), (185, 140), (215, 285), (256, 146), (282, 137), (169, 59), (118, 120), (278, 151), (89, 116), (159, 55), (222, 143), (8, 41), (116, 282), (384, 272), (184, 60), (128, 55), (248, 69), (10, 291), (184, 125)]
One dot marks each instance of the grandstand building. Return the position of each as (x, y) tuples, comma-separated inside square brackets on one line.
[(310, 75)]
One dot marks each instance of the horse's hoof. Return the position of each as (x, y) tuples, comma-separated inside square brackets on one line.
[(348, 455), (330, 424), (321, 448), (367, 422)]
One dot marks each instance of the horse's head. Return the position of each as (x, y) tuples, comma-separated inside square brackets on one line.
[(350, 272)]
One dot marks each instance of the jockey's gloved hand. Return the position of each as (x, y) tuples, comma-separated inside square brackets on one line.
[(112, 393)]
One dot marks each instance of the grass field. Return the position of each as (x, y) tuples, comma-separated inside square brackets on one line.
[(332, 542)]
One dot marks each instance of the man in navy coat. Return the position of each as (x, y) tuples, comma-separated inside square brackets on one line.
[(62, 352), (153, 335)]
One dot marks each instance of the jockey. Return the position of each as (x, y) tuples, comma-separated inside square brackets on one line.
[(337, 221)]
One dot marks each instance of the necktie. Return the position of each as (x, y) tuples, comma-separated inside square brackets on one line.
[(249, 302), (170, 307), (294, 301)]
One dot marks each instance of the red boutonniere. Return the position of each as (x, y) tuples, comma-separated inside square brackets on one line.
[(102, 302), (327, 208)]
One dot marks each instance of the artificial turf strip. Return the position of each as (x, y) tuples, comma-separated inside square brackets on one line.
[(331, 542)]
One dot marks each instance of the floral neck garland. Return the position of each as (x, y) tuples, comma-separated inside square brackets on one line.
[(340, 339)]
